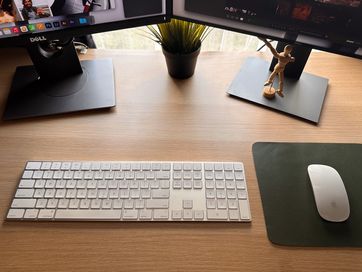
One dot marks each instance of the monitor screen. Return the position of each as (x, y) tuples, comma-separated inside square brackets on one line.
[(331, 25), (25, 18)]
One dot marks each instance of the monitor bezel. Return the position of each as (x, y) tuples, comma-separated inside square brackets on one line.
[(67, 33)]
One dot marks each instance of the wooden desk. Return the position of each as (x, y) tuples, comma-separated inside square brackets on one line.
[(158, 118)]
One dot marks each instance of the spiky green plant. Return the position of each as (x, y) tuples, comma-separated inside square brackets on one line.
[(179, 37)]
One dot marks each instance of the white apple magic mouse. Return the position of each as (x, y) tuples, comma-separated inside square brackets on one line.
[(329, 193)]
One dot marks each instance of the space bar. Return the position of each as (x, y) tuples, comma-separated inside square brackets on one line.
[(88, 214)]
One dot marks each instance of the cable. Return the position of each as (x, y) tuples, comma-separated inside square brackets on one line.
[(81, 47)]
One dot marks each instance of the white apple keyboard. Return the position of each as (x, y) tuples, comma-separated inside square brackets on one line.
[(131, 191)]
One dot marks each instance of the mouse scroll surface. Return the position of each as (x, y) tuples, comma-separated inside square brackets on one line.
[(329, 193)]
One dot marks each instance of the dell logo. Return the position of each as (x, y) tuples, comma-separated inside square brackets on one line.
[(38, 39)]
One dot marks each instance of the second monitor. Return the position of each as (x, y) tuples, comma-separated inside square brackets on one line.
[(327, 25)]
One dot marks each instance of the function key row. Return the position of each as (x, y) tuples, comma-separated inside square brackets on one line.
[(114, 166)]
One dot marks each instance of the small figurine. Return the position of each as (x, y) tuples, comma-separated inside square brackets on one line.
[(283, 59)]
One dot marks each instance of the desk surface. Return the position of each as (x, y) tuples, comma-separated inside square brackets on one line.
[(158, 118)]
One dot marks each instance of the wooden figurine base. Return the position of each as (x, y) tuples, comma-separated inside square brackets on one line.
[(269, 92)]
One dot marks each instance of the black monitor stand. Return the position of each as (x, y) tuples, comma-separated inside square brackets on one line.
[(304, 93), (59, 83)]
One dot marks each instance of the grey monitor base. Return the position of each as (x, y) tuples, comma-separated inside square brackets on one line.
[(30, 97), (303, 98)]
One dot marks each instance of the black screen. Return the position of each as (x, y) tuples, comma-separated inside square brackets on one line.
[(337, 20)]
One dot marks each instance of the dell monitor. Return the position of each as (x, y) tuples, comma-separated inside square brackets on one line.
[(329, 25), (58, 82)]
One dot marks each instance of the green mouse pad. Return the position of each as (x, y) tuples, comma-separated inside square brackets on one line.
[(290, 211)]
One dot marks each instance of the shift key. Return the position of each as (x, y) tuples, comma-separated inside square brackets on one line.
[(157, 204)]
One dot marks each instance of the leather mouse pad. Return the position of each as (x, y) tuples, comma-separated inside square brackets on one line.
[(290, 212)]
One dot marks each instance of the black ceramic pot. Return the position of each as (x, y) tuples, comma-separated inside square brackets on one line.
[(181, 66)]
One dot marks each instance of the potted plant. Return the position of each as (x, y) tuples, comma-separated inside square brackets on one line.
[(181, 44)]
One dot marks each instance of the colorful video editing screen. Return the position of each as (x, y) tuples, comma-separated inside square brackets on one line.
[(19, 17), (313, 17)]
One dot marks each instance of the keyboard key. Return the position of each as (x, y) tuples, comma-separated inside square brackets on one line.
[(31, 213), (33, 165), (187, 166), (244, 209), (24, 193), (88, 214), (145, 214), (156, 166), (211, 203), (197, 184), (187, 204), (209, 175), (56, 166), (221, 204), (165, 184), (106, 204), (52, 203), (146, 166), (242, 194), (46, 214), (160, 214), (177, 184), (163, 175), (239, 176), (66, 165), (39, 183), (15, 213), (74, 203), (220, 193), (217, 214), (130, 215), (157, 203), (76, 166), (154, 184), (50, 184), (63, 203), (199, 215), (233, 204), (161, 193), (209, 166), (23, 203), (38, 174), (41, 203), (177, 215), (26, 183), (234, 214), (231, 194), (210, 193), (165, 166), (27, 175), (139, 204), (187, 184), (228, 167), (187, 214), (238, 167), (177, 166), (218, 167), (96, 204), (128, 204), (46, 165), (197, 166), (117, 204)]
